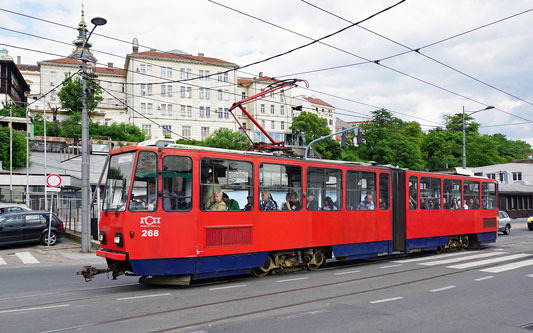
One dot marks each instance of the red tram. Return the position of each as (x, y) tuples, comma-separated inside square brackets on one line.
[(359, 211)]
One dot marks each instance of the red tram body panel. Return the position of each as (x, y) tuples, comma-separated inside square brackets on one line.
[(339, 209)]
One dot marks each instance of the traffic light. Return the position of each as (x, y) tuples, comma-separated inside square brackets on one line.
[(360, 139), (343, 139)]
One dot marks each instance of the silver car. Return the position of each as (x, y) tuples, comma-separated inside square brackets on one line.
[(12, 208), (504, 223)]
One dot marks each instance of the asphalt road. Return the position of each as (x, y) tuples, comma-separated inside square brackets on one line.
[(485, 290)]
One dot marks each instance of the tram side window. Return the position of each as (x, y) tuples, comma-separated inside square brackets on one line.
[(177, 183), (360, 190), (384, 191), (488, 195), (430, 189), (324, 188), (471, 194), (225, 184), (144, 192), (413, 192), (282, 184), (452, 194)]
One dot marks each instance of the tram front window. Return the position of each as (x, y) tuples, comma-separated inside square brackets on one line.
[(118, 181), (144, 190)]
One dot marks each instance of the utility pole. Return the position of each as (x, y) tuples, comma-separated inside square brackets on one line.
[(464, 130)]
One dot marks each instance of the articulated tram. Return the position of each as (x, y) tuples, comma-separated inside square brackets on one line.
[(158, 222)]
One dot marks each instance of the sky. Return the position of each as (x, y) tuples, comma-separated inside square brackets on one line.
[(465, 58)]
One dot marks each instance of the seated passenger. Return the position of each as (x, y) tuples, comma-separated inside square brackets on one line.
[(250, 204), (267, 203), (476, 204), (469, 204), (231, 204), (218, 204), (366, 204), (424, 204), (312, 204), (382, 204), (454, 204), (295, 202), (152, 195), (412, 198), (329, 204), (287, 203)]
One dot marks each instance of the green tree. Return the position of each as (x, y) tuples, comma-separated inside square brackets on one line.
[(71, 95), (19, 148), (225, 138), (313, 127), (18, 110)]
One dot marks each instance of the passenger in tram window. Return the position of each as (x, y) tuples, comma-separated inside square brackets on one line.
[(329, 204), (218, 204), (366, 204), (475, 205), (152, 195), (454, 204), (312, 204), (267, 203), (469, 204), (209, 189), (231, 204), (382, 204), (412, 198), (287, 203), (250, 204), (424, 204), (295, 202)]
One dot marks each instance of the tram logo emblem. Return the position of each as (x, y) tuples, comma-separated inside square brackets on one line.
[(150, 221)]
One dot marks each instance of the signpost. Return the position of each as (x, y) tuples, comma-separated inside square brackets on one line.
[(53, 181)]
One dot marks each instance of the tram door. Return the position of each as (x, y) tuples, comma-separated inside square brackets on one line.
[(398, 210)]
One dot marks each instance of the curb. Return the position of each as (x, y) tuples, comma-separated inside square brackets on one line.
[(76, 237)]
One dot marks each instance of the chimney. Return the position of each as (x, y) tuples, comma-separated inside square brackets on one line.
[(18, 60), (260, 74), (201, 55), (135, 45), (153, 50), (110, 65)]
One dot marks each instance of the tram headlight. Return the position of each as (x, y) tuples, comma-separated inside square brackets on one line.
[(118, 239), (102, 238)]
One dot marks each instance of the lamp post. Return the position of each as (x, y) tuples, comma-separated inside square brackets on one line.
[(464, 141), (85, 171)]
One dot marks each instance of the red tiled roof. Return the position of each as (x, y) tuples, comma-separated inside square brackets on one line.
[(182, 56), (68, 61), (107, 70), (317, 101), (266, 78), (32, 68), (244, 81)]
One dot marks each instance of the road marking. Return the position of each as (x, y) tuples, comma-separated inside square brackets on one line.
[(228, 287), (441, 289), (490, 261), (449, 261), (36, 308), (390, 266), (303, 314), (27, 296), (143, 296), (2, 261), (508, 267), (484, 278), (297, 279), (350, 272), (386, 300), (26, 258), (430, 257)]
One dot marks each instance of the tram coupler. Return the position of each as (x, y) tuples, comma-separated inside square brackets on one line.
[(88, 272)]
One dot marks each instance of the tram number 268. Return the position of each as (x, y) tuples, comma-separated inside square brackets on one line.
[(150, 233)]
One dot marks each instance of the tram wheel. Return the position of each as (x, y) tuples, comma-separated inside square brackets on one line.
[(439, 249), (317, 261), (263, 271)]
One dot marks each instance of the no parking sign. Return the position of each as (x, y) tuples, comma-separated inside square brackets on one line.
[(53, 181)]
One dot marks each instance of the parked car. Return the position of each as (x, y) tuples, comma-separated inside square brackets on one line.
[(30, 226), (504, 224), (530, 223), (12, 207)]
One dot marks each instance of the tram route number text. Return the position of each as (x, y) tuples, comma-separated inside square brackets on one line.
[(150, 233)]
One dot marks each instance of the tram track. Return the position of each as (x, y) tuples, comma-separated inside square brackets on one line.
[(273, 308)]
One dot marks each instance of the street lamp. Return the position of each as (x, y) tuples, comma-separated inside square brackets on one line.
[(85, 183), (464, 142)]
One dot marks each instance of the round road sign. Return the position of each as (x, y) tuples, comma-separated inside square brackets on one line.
[(53, 180)]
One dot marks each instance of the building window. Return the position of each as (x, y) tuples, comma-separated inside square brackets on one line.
[(143, 89), (272, 124), (201, 94), (205, 133), (226, 94), (220, 113), (501, 176), (282, 125), (226, 112), (189, 111), (182, 91), (169, 109), (262, 108), (163, 90), (243, 95), (282, 109), (219, 94), (282, 96), (142, 69), (166, 72), (223, 77), (207, 90), (200, 74), (149, 89), (272, 109), (183, 111), (207, 112), (53, 96), (189, 73), (147, 129), (182, 73), (331, 121), (202, 112), (517, 176), (263, 123), (149, 108), (167, 129), (186, 132), (169, 91), (143, 108), (163, 108), (189, 92), (122, 87)]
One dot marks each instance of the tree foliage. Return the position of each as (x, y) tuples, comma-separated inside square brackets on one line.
[(225, 138), (19, 148), (71, 95), (313, 127)]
